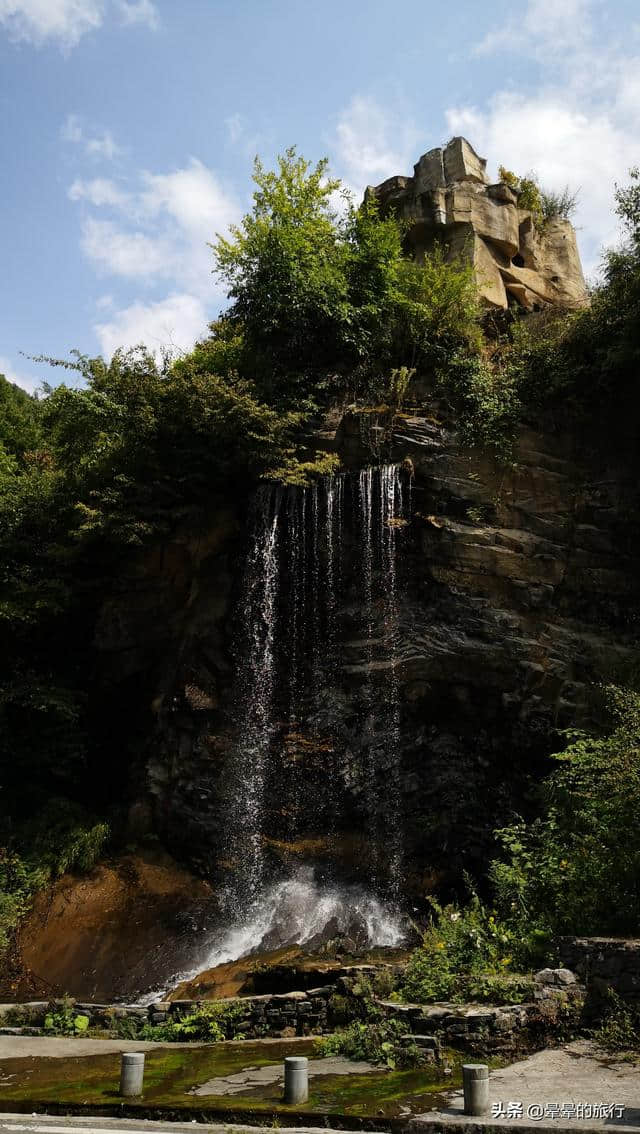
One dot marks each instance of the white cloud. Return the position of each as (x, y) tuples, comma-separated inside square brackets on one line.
[(71, 130), (65, 22), (175, 322), (154, 229), (554, 26), (99, 191), (372, 143), (27, 383), (161, 228), (100, 145), (105, 303), (193, 198), (103, 146), (139, 12), (35, 21), (125, 252), (579, 127)]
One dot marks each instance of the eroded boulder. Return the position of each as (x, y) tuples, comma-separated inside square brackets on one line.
[(449, 200)]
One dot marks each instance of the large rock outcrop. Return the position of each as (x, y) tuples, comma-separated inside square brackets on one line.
[(516, 593), (450, 199)]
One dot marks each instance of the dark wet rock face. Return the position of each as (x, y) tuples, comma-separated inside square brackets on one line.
[(423, 632)]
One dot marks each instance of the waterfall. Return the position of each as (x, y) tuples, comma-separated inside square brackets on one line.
[(314, 554), (256, 688)]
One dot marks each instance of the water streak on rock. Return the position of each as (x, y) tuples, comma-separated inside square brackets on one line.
[(313, 553)]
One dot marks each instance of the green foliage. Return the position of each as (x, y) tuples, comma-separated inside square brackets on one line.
[(543, 204), (436, 310), (374, 261), (486, 400), (317, 293), (15, 891), (383, 983), (127, 1027), (295, 471), (141, 448), (619, 1030), (575, 868), (285, 272), (210, 1023), (376, 1041), (498, 988), (529, 197), (399, 381), (554, 204), (63, 1020), (62, 837), (467, 953), (509, 177), (20, 431)]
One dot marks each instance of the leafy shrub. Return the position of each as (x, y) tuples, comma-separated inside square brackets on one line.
[(436, 310), (376, 1041), (486, 401), (467, 953), (619, 1030), (575, 868), (497, 988), (383, 983), (63, 1020), (558, 204), (127, 1027), (543, 204), (210, 1023), (284, 267), (399, 381)]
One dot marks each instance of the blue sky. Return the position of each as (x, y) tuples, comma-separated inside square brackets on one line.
[(129, 129)]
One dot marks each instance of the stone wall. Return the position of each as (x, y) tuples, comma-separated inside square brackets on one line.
[(489, 1029), (605, 962), (286, 1014), (473, 1027)]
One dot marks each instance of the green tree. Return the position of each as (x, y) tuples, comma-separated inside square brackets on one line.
[(20, 430), (284, 268), (587, 362), (436, 310), (576, 868)]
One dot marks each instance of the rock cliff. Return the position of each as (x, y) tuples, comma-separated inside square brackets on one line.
[(514, 593), (450, 199)]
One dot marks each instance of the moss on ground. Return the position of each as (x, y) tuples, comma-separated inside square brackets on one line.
[(171, 1074)]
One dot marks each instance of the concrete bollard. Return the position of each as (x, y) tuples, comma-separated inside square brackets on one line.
[(131, 1073), (296, 1079), (475, 1083)]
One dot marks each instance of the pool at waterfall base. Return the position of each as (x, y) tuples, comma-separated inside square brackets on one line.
[(175, 1075)]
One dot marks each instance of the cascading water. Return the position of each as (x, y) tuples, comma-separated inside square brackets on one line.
[(256, 688), (313, 552), (317, 719)]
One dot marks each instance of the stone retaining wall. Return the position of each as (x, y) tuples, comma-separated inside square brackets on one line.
[(486, 1028), (286, 1014), (604, 962), (474, 1027)]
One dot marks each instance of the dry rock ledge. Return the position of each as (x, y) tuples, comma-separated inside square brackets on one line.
[(450, 200)]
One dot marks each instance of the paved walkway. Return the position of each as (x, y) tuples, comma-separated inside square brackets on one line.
[(43, 1124), (250, 1077), (51, 1047), (62, 1047), (557, 1089)]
